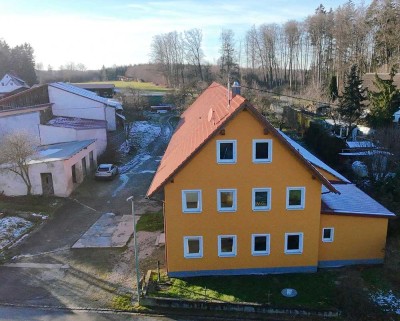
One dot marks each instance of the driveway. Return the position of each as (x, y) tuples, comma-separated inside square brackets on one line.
[(80, 278)]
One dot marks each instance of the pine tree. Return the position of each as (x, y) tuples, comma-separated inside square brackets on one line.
[(384, 101), (351, 102)]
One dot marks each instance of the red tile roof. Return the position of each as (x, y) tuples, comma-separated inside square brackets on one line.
[(199, 123)]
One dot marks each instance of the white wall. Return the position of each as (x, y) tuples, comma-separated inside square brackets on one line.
[(53, 135), (28, 122), (13, 185), (72, 105)]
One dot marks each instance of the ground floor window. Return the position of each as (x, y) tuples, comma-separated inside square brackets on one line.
[(260, 244), (193, 246), (293, 243), (226, 245), (327, 234)]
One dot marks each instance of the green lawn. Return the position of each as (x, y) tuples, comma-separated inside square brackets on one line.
[(151, 222), (145, 86), (315, 290)]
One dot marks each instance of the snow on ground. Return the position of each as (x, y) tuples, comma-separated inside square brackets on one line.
[(11, 228), (143, 133), (137, 161), (388, 301)]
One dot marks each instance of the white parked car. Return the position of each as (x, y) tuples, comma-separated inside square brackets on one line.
[(106, 171)]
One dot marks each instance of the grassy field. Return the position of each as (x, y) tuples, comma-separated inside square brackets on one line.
[(145, 86)]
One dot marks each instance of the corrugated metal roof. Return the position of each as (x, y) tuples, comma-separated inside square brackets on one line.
[(313, 159), (87, 94), (59, 151), (77, 123), (351, 201)]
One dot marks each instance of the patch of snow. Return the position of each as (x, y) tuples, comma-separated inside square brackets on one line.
[(387, 300), (147, 171), (43, 217), (143, 133), (11, 228), (124, 178), (137, 161), (49, 151)]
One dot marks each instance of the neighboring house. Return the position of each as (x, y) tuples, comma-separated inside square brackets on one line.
[(57, 169), (71, 101), (11, 84), (243, 198)]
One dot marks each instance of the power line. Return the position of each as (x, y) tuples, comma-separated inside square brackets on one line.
[(293, 97)]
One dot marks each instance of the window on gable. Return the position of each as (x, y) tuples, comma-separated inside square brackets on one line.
[(261, 199), (294, 243), (295, 198), (193, 246), (262, 150), (327, 234), (226, 200), (191, 201), (260, 244), (226, 245), (226, 151)]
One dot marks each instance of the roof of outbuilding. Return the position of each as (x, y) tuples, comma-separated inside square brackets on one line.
[(59, 151), (313, 159), (77, 123), (203, 120), (86, 93), (351, 201)]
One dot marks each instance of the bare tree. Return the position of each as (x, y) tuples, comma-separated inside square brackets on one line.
[(228, 59), (16, 150), (193, 50)]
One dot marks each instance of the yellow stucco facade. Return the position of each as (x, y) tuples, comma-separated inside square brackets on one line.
[(203, 173)]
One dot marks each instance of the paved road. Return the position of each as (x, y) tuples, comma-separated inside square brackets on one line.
[(32, 314), (87, 281)]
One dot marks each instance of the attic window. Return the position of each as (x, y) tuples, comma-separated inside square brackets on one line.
[(262, 150), (226, 151)]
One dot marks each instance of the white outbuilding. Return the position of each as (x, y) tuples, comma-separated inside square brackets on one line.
[(57, 169)]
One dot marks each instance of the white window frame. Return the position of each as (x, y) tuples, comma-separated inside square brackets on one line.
[(260, 253), (231, 209), (303, 198), (297, 251), (262, 160), (227, 161), (328, 240), (186, 253), (261, 208), (200, 202), (234, 246)]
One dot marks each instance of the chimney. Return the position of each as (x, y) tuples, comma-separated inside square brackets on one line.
[(235, 89)]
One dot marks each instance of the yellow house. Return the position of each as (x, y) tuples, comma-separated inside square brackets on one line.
[(243, 198)]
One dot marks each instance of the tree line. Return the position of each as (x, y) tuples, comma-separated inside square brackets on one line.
[(18, 59), (314, 52)]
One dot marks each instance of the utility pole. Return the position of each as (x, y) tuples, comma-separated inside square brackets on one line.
[(130, 198)]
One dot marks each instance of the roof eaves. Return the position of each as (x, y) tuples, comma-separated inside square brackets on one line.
[(360, 214), (308, 165)]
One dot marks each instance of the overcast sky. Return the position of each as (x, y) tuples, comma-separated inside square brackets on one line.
[(108, 32)]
